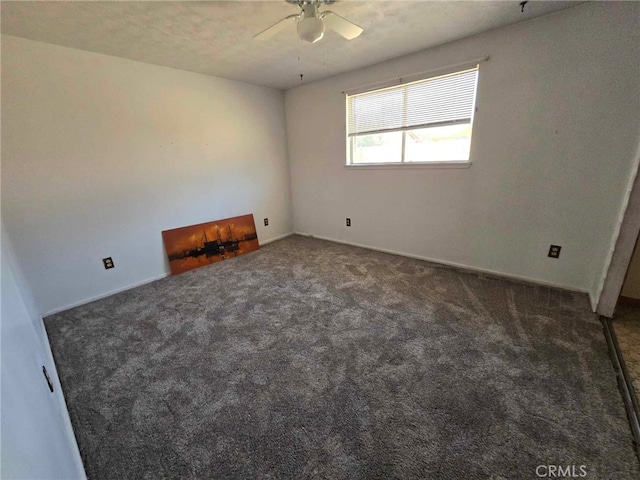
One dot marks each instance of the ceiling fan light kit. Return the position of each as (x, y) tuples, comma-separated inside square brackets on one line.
[(312, 23), (310, 27)]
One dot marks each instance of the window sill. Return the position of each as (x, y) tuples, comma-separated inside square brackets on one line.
[(408, 166)]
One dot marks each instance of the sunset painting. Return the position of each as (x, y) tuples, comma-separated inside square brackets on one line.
[(199, 245)]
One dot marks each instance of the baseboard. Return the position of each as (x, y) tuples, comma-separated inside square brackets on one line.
[(593, 301), (329, 239), (106, 294), (266, 242), (61, 402), (460, 266), (137, 284)]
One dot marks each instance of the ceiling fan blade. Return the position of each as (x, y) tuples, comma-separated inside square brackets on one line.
[(341, 25), (269, 32)]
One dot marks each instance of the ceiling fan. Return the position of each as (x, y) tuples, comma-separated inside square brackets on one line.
[(312, 23)]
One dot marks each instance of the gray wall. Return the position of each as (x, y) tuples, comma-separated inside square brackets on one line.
[(100, 154), (552, 151), (36, 436)]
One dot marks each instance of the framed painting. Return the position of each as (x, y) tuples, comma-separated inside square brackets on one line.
[(199, 245)]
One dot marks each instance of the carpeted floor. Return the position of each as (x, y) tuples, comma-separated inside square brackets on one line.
[(310, 359)]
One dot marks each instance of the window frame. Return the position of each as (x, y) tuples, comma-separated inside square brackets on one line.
[(399, 82)]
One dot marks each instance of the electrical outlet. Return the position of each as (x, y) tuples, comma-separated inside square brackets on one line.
[(266, 222), (554, 251), (348, 222), (108, 263)]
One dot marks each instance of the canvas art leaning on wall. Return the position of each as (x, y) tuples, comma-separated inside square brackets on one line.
[(199, 245)]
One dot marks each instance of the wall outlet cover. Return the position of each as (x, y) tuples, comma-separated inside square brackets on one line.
[(108, 263), (554, 251)]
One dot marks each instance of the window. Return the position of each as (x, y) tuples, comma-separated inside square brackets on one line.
[(423, 122)]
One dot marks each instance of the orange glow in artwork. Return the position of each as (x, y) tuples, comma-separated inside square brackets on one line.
[(199, 245)]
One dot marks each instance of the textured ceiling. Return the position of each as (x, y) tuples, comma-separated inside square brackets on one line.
[(215, 37)]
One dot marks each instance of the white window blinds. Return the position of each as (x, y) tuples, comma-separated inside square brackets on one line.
[(444, 100)]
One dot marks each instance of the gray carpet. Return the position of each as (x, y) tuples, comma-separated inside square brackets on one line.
[(310, 359)]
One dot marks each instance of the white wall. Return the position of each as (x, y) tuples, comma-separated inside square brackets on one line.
[(631, 286), (552, 151), (36, 439), (100, 154)]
